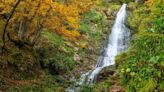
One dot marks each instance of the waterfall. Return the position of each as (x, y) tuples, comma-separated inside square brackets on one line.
[(118, 41)]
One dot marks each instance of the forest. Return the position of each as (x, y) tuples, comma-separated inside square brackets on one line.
[(61, 45)]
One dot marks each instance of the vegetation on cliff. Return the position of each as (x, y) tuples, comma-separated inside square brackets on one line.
[(47, 44), (141, 66)]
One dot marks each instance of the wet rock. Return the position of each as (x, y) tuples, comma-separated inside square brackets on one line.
[(106, 72)]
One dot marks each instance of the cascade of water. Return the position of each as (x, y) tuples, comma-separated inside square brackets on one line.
[(118, 41)]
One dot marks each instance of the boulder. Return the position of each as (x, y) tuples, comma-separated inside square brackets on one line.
[(106, 72)]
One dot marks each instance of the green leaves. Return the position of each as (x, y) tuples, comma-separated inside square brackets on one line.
[(126, 1), (159, 25), (154, 60), (57, 56), (142, 62)]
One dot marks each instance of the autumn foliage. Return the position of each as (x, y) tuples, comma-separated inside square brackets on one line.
[(31, 16)]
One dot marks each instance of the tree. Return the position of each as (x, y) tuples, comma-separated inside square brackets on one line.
[(31, 16)]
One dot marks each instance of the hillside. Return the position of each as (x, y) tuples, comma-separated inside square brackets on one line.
[(47, 47)]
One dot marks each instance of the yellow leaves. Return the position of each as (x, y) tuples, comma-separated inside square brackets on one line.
[(55, 24), (8, 1), (5, 6), (154, 2), (69, 34), (43, 10), (57, 17), (65, 10), (81, 5), (71, 19), (73, 22), (59, 8), (66, 17), (150, 2), (52, 23), (48, 1), (155, 6)]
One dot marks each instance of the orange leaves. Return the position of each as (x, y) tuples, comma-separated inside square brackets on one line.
[(73, 22), (65, 19), (71, 35), (81, 5), (9, 2), (53, 23), (71, 19), (65, 10), (5, 6), (43, 10), (48, 1), (57, 17)]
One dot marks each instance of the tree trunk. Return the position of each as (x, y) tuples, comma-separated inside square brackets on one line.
[(23, 28), (37, 33)]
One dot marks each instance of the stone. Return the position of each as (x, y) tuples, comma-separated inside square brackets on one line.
[(76, 57), (106, 72)]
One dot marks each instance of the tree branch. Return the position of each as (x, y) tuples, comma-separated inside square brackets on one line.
[(6, 24)]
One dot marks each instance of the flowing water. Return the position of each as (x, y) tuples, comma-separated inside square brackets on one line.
[(118, 41)]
